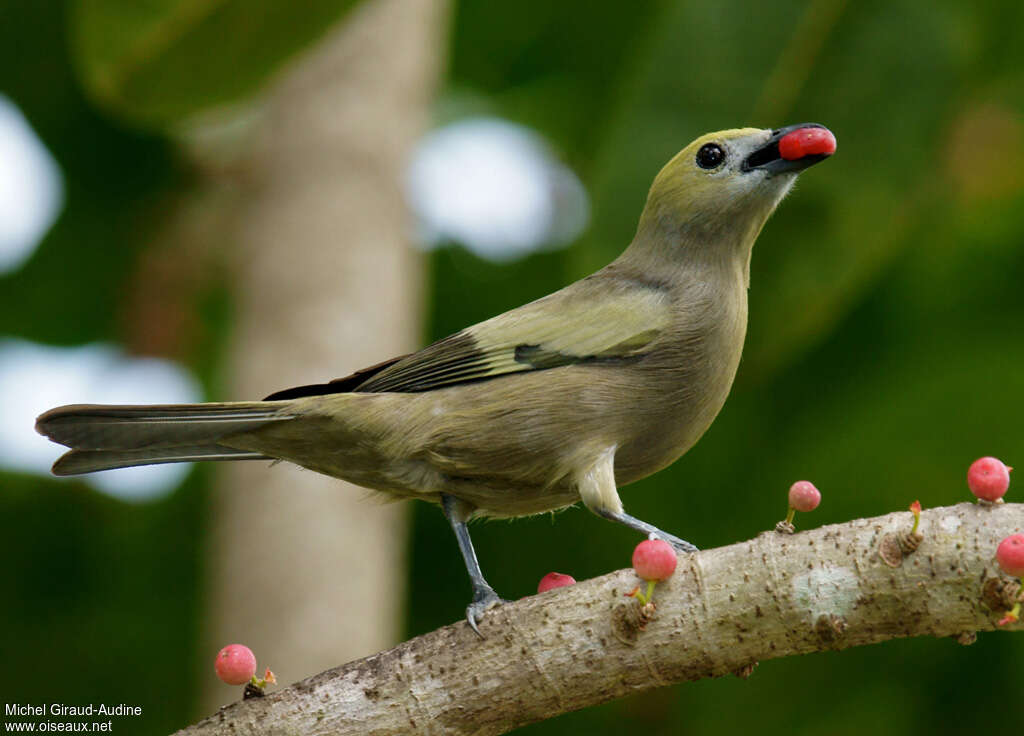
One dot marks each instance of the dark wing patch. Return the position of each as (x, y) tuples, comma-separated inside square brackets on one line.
[(337, 386), (455, 359), (540, 358)]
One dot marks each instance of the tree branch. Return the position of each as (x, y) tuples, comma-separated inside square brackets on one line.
[(723, 610)]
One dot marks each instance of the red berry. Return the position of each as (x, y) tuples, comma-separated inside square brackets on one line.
[(554, 580), (807, 142), (803, 496), (235, 664), (654, 559), (988, 478), (1010, 555)]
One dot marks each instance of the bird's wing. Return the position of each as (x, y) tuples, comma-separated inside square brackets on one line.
[(589, 324)]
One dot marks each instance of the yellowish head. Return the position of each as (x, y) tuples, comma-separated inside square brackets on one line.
[(722, 187)]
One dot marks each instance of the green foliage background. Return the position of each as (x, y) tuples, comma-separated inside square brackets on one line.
[(884, 352)]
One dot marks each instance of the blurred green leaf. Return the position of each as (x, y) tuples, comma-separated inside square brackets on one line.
[(101, 603), (159, 61), (116, 183), (560, 67)]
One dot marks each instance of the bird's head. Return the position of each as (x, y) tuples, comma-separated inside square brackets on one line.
[(720, 189)]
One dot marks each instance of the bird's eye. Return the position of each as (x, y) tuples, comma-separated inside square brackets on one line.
[(710, 156)]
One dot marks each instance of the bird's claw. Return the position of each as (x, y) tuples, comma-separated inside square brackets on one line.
[(483, 599), (680, 545)]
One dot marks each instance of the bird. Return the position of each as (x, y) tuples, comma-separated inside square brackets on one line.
[(560, 401)]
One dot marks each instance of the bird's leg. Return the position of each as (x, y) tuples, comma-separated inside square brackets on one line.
[(597, 489), (649, 529), (484, 596)]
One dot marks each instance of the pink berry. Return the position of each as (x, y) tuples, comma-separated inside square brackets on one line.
[(803, 496), (1010, 555), (555, 580), (988, 478), (654, 559), (235, 664)]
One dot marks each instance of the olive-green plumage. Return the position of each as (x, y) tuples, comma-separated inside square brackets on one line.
[(561, 400)]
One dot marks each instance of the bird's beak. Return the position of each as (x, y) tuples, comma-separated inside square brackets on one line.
[(792, 149)]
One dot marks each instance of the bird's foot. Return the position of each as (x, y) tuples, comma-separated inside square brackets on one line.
[(650, 530), (680, 545), (484, 598)]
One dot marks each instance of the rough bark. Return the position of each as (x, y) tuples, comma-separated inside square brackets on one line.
[(326, 283), (724, 609)]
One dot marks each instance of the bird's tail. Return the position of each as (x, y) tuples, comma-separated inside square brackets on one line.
[(107, 437)]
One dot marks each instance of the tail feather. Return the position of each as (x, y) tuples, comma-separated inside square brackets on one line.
[(76, 462), (105, 437)]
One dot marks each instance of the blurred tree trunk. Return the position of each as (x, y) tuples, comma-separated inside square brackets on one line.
[(301, 567)]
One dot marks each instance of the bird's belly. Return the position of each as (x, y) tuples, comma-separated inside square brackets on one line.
[(665, 443), (500, 502), (675, 418)]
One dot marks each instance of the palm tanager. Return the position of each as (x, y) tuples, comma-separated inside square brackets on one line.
[(562, 400)]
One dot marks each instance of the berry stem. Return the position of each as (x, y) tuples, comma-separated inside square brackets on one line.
[(644, 598), (1012, 616), (915, 509)]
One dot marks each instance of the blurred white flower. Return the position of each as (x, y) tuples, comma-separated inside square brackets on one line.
[(494, 187), (34, 378), (31, 188)]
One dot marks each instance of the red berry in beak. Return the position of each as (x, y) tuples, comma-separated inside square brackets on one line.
[(807, 142)]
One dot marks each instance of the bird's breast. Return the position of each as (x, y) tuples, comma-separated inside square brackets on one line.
[(686, 383)]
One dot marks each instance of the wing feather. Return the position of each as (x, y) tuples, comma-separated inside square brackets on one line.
[(573, 326)]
